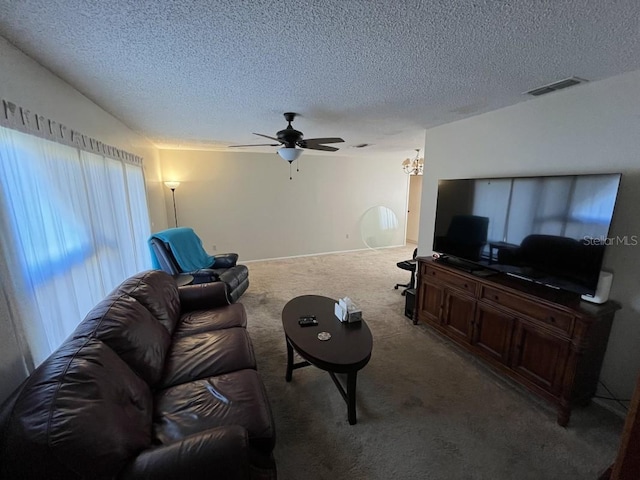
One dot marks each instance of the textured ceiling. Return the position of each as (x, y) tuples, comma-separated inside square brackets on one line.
[(208, 73)]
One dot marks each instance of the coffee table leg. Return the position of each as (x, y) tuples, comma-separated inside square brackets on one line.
[(351, 397), (289, 361)]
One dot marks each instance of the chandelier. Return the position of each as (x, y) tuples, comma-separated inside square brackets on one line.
[(414, 166)]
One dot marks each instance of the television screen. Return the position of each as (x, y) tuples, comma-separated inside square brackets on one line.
[(550, 230)]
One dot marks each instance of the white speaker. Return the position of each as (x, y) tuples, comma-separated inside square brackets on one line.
[(602, 290)]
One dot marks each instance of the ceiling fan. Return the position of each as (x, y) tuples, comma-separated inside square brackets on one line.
[(290, 138)]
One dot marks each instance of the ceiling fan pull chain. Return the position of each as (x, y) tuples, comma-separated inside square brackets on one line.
[(298, 165), (290, 177)]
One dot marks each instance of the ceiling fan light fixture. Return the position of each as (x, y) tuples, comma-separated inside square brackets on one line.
[(289, 154)]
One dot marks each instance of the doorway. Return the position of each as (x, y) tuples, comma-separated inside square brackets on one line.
[(413, 209)]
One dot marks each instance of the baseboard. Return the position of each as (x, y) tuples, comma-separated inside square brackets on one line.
[(611, 405), (318, 254)]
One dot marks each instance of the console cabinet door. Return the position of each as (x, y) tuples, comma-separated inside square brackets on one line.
[(492, 333), (458, 313), (540, 356), (430, 303)]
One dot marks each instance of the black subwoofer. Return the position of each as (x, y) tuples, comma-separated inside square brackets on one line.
[(409, 302)]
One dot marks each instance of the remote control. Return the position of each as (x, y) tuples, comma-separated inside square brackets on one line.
[(308, 321)]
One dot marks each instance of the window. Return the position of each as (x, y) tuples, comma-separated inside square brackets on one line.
[(74, 225)]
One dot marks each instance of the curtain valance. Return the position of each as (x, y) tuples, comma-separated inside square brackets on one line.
[(24, 120)]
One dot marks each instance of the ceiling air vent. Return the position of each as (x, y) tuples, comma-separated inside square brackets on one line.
[(552, 87)]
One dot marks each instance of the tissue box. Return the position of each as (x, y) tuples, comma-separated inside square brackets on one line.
[(354, 316), (346, 311)]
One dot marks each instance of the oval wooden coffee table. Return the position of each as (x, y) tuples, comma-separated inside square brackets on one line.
[(347, 351)]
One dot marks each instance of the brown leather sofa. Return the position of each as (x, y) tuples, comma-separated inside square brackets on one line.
[(156, 382)]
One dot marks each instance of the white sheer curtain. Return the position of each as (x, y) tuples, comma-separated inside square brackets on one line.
[(74, 225)]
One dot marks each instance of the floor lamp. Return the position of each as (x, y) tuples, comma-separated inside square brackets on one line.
[(173, 186)]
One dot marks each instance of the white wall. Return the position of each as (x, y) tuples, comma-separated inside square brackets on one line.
[(245, 202), (590, 128), (240, 202), (27, 84)]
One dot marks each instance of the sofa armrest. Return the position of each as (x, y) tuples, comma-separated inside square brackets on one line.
[(221, 452), (203, 296), (225, 260)]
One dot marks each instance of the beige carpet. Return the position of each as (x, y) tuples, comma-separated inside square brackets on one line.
[(426, 409)]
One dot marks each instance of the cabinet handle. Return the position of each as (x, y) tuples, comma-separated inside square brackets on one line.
[(466, 286), (496, 298), (551, 319)]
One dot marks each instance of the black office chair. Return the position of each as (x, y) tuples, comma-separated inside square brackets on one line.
[(409, 265)]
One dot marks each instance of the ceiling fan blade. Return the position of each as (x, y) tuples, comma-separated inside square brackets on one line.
[(257, 145), (319, 141), (266, 136), (325, 148)]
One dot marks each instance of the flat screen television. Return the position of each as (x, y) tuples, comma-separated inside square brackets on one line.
[(551, 230)]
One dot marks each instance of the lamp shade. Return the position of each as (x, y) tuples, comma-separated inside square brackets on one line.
[(172, 185), (289, 154)]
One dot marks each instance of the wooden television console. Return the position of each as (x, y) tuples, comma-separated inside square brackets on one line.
[(545, 339)]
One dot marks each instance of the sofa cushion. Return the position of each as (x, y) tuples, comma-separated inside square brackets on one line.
[(208, 354), (236, 398), (83, 413), (199, 321), (158, 292), (221, 453), (131, 331), (203, 296)]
